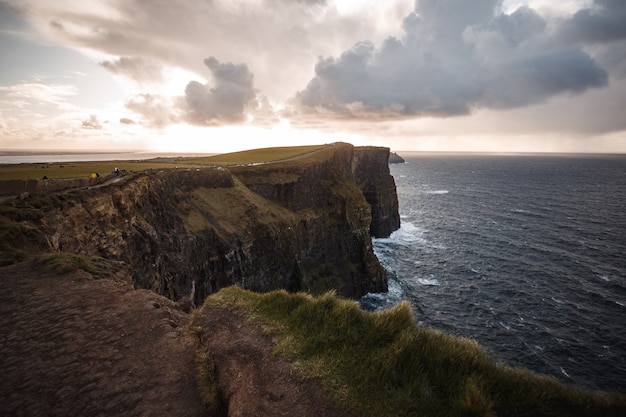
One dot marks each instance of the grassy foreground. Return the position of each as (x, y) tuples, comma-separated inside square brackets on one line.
[(383, 364)]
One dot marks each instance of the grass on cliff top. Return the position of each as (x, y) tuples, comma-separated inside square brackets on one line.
[(257, 156), (84, 169), (72, 170), (383, 364)]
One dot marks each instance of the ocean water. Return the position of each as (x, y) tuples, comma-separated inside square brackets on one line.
[(525, 254)]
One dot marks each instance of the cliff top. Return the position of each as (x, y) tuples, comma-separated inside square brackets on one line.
[(85, 169), (75, 346)]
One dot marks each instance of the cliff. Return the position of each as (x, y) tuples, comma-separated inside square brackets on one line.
[(394, 158), (302, 224)]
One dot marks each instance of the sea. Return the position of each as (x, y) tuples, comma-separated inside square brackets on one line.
[(525, 254)]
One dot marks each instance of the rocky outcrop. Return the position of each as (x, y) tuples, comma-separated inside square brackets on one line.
[(302, 224), (371, 174), (394, 158)]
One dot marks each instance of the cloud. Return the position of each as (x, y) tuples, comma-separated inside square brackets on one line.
[(31, 94), (278, 39), (456, 56), (226, 100), (137, 68), (92, 123), (603, 22), (157, 110), (127, 121)]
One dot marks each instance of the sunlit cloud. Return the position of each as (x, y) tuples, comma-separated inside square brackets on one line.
[(403, 73), (28, 94)]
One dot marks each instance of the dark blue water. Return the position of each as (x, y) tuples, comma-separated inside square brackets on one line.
[(526, 254)]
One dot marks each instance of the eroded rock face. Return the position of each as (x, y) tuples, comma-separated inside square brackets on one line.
[(302, 224), (371, 174)]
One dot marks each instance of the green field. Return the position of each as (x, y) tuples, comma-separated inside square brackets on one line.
[(69, 170)]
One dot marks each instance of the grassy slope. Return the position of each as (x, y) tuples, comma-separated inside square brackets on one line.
[(228, 210), (262, 155), (384, 364), (68, 170)]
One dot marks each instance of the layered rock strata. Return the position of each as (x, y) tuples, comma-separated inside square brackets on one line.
[(303, 224)]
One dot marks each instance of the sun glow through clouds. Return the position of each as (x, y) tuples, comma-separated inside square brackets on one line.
[(215, 76)]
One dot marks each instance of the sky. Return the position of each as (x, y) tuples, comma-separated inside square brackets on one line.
[(226, 75)]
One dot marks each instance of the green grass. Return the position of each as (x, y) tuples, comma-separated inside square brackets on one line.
[(71, 170), (377, 364), (259, 155), (65, 262), (207, 382)]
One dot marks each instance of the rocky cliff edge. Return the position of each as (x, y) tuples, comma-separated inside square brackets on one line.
[(302, 224)]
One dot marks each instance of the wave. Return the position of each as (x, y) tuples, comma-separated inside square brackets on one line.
[(409, 236), (406, 235), (385, 300), (428, 282), (436, 192)]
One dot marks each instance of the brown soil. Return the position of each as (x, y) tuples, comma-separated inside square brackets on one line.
[(72, 346), (252, 381)]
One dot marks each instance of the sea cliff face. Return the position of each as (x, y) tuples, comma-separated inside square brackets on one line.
[(303, 224)]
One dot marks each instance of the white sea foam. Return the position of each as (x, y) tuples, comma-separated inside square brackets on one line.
[(385, 300), (436, 192), (406, 235), (427, 281)]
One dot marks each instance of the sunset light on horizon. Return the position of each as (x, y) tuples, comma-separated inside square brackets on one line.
[(221, 76)]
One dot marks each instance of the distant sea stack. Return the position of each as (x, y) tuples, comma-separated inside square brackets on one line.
[(394, 158), (301, 224)]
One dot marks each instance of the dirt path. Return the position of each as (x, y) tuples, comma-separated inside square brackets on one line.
[(71, 347)]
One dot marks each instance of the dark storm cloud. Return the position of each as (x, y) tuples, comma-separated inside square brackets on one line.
[(225, 101), (137, 68), (455, 56), (604, 21)]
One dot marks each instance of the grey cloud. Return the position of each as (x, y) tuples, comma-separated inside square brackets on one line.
[(604, 21), (137, 68), (522, 24), (157, 110), (92, 123), (454, 56), (532, 79), (226, 100)]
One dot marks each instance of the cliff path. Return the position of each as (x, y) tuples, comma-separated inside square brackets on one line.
[(74, 346)]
